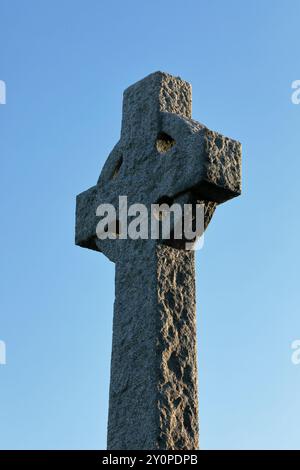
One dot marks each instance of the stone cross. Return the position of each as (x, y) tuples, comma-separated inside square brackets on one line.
[(162, 155)]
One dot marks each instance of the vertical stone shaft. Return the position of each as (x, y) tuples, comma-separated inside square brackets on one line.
[(153, 391)]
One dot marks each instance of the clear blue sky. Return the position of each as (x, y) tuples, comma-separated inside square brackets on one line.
[(66, 64)]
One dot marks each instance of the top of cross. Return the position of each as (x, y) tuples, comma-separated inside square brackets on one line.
[(162, 152), (145, 100)]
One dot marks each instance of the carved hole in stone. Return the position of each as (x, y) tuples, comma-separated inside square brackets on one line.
[(117, 168), (164, 142), (113, 227)]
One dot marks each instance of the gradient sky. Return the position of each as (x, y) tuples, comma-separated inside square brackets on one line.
[(66, 64)]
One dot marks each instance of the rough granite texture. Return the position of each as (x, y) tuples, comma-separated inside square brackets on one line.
[(162, 155)]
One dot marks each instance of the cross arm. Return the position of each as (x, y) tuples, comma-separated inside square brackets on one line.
[(204, 161), (87, 203), (85, 233)]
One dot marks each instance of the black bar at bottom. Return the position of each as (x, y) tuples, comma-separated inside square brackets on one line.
[(135, 458)]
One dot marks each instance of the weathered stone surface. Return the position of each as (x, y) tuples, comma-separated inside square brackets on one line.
[(162, 153), (153, 392)]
